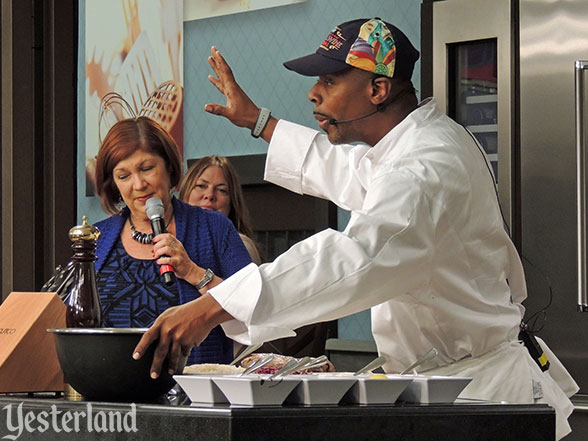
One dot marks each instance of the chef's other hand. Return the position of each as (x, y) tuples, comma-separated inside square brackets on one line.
[(178, 330), (239, 109)]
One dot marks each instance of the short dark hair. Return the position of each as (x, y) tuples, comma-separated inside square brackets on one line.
[(122, 140)]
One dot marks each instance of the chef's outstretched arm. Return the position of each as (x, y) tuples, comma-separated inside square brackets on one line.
[(179, 329), (239, 109)]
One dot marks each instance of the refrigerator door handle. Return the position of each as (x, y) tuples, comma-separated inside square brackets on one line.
[(582, 189)]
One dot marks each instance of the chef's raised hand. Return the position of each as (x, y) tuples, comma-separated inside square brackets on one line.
[(178, 329), (239, 109)]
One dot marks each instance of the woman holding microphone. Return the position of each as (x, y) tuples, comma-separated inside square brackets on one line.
[(138, 160)]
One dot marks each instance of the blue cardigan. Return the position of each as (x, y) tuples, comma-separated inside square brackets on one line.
[(211, 241)]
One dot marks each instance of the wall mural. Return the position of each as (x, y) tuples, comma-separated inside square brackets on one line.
[(196, 9), (134, 66)]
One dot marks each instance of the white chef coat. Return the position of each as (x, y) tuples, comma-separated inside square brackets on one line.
[(425, 248)]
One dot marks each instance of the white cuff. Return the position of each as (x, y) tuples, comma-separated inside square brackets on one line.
[(287, 151), (238, 295)]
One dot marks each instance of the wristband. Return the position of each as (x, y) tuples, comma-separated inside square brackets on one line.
[(208, 276), (262, 120)]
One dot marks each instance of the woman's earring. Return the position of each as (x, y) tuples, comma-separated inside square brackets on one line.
[(120, 204)]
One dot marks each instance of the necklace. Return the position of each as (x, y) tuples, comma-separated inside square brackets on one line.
[(144, 238)]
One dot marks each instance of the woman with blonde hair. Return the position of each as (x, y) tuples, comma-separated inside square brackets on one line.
[(212, 183)]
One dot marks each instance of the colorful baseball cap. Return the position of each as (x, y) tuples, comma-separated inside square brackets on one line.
[(368, 44)]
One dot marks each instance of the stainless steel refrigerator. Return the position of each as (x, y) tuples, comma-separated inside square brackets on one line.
[(513, 72)]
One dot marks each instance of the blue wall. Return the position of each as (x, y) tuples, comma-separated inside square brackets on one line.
[(256, 44)]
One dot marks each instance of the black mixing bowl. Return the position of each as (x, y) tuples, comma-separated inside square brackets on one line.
[(98, 363)]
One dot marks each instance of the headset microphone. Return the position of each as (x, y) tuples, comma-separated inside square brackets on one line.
[(334, 122), (380, 108)]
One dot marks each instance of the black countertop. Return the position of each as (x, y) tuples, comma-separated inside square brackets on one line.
[(45, 417)]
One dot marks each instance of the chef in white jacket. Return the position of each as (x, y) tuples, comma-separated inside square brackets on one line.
[(425, 247)]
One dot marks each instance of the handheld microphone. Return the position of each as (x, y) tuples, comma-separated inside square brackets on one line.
[(155, 212)]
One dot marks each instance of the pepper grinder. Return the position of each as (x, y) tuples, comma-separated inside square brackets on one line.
[(83, 303)]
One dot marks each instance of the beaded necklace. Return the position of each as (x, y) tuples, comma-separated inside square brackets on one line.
[(144, 238)]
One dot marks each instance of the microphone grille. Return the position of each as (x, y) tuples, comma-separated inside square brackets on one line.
[(154, 208)]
